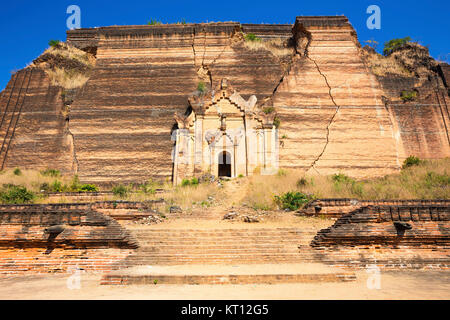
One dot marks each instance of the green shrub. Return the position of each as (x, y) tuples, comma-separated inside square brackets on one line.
[(433, 179), (281, 172), (394, 44), (302, 182), (88, 188), (240, 175), (51, 173), (292, 200), (149, 187), (120, 191), (342, 178), (408, 95), (154, 22), (268, 110), (185, 182), (54, 43), (251, 37), (56, 186), (13, 194), (201, 87), (75, 184), (17, 172), (276, 122), (194, 181), (411, 161)]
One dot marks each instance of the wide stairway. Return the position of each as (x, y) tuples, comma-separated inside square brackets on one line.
[(223, 256)]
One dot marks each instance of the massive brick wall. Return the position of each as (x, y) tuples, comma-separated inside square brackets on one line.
[(421, 127), (375, 235), (87, 239), (332, 111), (123, 117), (330, 105), (33, 131)]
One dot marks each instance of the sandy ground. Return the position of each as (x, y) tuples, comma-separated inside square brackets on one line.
[(246, 269), (393, 285)]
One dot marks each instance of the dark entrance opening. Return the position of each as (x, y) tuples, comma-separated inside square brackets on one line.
[(224, 164)]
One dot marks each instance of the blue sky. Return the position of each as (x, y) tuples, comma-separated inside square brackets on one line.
[(27, 26)]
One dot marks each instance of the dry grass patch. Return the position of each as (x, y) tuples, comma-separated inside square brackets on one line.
[(430, 179), (382, 66), (187, 196), (66, 79), (278, 47), (261, 189), (66, 66), (31, 179)]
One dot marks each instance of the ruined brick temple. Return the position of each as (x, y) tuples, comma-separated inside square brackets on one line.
[(311, 103)]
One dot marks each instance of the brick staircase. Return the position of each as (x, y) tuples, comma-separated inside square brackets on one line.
[(208, 256)]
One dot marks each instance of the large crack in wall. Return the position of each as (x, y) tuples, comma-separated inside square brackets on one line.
[(312, 166)]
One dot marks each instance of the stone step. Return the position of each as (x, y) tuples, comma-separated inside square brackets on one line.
[(203, 250), (238, 274)]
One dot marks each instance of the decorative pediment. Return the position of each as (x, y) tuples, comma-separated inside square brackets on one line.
[(224, 91), (183, 121)]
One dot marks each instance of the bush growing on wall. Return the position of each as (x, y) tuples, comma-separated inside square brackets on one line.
[(292, 200), (120, 190), (251, 37), (408, 95), (53, 43), (13, 194), (411, 161), (394, 44), (51, 173)]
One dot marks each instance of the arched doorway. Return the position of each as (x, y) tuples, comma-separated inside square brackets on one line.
[(224, 164)]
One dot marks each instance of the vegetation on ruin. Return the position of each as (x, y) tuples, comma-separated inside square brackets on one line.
[(66, 66), (408, 95), (54, 43), (120, 191), (411, 161), (268, 110), (13, 194), (384, 65), (276, 122), (153, 22), (251, 37), (51, 173), (426, 179), (288, 189), (201, 87), (278, 47), (292, 200), (394, 44)]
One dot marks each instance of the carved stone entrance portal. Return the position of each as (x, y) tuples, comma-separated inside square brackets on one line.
[(225, 135)]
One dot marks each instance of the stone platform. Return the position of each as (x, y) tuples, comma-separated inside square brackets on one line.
[(228, 274)]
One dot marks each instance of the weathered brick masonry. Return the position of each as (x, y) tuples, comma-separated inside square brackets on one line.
[(388, 236), (61, 237), (335, 114)]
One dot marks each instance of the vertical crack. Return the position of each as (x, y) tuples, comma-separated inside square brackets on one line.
[(193, 46), (331, 120)]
